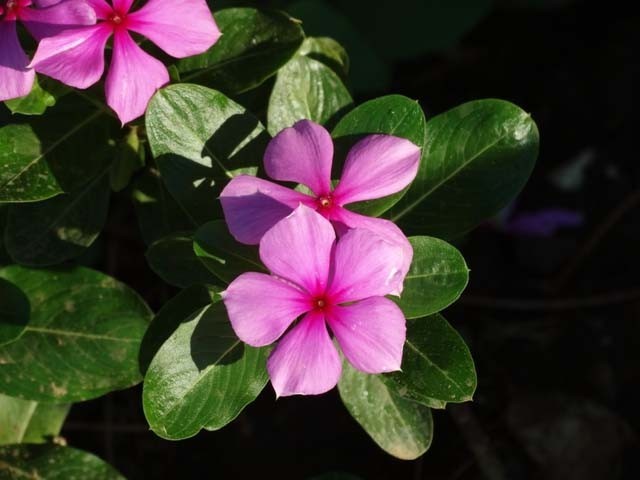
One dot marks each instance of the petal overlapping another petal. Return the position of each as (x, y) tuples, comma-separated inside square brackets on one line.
[(252, 206), (50, 21), (364, 265), (180, 29), (133, 78), (75, 56), (344, 220), (303, 154), (101, 7), (377, 166), (16, 79), (371, 334), (305, 361), (261, 307), (299, 248)]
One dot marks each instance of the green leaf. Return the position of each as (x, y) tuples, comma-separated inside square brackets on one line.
[(59, 229), (52, 462), (171, 315), (56, 152), (202, 377), (436, 364), (129, 158), (35, 103), (14, 312), (255, 44), (437, 277), (158, 213), (82, 339), (476, 159), (306, 89), (222, 254), (326, 50), (391, 115), (24, 421), (172, 258), (201, 139), (401, 427)]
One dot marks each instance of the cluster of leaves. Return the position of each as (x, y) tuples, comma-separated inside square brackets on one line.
[(70, 334)]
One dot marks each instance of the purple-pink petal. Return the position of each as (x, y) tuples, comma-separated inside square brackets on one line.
[(252, 206), (298, 248), (16, 79), (305, 362), (371, 334), (181, 30), (75, 56), (48, 21), (261, 307), (344, 220), (133, 78), (364, 265), (377, 166), (101, 7), (122, 6), (303, 154)]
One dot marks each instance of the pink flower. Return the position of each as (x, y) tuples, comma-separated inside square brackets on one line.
[(179, 27), (377, 166), (341, 284), (50, 18)]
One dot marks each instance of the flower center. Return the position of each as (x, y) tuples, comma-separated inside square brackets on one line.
[(325, 202), (116, 18), (320, 303), (12, 8)]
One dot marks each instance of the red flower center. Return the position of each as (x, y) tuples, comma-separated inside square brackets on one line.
[(117, 19), (320, 303), (325, 202)]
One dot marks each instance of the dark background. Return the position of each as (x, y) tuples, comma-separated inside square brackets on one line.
[(552, 321)]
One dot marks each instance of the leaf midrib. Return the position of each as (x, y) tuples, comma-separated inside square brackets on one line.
[(433, 364)]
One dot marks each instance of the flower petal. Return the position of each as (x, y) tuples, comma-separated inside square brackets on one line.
[(371, 334), (305, 361), (101, 7), (75, 56), (298, 248), (364, 265), (262, 307), (180, 30), (303, 154), (124, 6), (344, 220), (16, 79), (50, 21), (252, 206), (133, 78), (377, 166)]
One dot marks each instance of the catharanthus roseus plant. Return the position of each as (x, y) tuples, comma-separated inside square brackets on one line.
[(280, 249), (337, 283)]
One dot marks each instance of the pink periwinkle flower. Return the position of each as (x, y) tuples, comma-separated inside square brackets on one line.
[(76, 57), (43, 18), (376, 166), (339, 283)]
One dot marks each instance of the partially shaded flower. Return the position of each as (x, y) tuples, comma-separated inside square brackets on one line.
[(377, 166), (43, 18), (76, 57), (336, 283)]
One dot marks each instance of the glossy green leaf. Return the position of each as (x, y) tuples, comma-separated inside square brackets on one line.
[(255, 44), (437, 277), (174, 260), (82, 339), (327, 51), (391, 115), (158, 213), (222, 254), (52, 462), (202, 377), (177, 310), (24, 421), (436, 364), (476, 159), (14, 312), (306, 89), (201, 139), (401, 427), (43, 156), (36, 103), (60, 228)]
